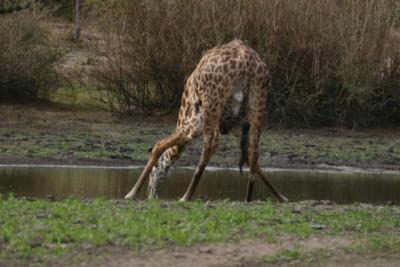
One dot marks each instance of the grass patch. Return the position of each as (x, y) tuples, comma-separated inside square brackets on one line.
[(42, 230), (285, 255), (297, 254)]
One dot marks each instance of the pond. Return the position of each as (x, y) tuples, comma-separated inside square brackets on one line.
[(114, 183)]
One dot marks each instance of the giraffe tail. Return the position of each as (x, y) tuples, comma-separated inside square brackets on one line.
[(243, 145)]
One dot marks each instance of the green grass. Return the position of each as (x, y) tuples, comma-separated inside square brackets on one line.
[(285, 255), (297, 254), (43, 230)]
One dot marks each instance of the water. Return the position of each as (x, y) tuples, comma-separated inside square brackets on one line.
[(227, 184)]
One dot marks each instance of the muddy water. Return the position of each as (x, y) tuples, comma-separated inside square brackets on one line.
[(114, 184)]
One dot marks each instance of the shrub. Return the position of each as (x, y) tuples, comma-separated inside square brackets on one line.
[(333, 63), (27, 56)]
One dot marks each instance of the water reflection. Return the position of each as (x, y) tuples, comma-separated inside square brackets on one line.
[(114, 183)]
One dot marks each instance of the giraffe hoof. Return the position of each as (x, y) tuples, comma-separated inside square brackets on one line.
[(128, 196), (283, 199)]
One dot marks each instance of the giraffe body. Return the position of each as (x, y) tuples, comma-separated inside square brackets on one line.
[(229, 80)]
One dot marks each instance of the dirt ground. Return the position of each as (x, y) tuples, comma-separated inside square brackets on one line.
[(313, 252), (67, 135)]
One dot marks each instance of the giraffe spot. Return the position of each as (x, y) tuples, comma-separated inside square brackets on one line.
[(260, 69), (187, 111), (214, 60), (226, 68), (226, 53), (232, 75), (232, 64), (197, 106)]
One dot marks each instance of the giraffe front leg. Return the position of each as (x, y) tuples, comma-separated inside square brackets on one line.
[(209, 147), (161, 170)]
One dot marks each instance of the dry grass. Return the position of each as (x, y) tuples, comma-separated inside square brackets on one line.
[(334, 63)]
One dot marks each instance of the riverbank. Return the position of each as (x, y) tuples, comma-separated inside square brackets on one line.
[(66, 136), (83, 232)]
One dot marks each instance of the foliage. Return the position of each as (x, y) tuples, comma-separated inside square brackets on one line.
[(333, 63), (7, 6), (27, 56), (66, 8)]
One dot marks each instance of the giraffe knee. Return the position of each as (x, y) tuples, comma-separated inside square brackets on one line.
[(253, 162)]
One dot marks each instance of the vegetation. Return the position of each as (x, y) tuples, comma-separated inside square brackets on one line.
[(333, 63), (27, 55), (42, 230), (8, 6)]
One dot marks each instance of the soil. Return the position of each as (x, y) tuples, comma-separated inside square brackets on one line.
[(241, 254), (64, 135)]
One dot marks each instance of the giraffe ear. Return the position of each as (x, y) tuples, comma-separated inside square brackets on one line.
[(150, 149)]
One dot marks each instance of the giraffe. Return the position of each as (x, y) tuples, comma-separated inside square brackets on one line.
[(228, 79)]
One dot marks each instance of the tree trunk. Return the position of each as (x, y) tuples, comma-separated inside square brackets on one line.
[(77, 33)]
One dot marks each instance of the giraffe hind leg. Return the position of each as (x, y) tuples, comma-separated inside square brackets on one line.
[(243, 146), (255, 115), (255, 169)]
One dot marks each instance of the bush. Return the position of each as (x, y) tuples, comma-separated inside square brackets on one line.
[(27, 56), (66, 8), (8, 6), (334, 63)]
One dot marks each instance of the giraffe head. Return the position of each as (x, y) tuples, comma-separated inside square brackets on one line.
[(158, 174)]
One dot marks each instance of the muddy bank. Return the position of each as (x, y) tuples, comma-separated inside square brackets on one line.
[(62, 135)]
